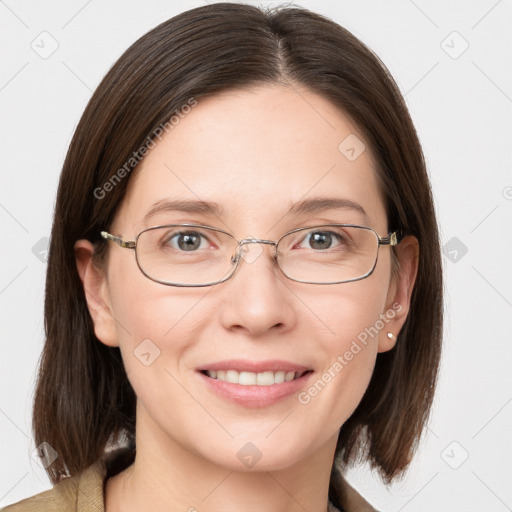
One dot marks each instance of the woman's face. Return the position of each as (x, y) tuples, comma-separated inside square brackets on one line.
[(256, 153)]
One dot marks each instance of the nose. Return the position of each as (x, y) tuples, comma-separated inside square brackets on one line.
[(259, 299)]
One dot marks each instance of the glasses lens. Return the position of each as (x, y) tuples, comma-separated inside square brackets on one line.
[(185, 255), (328, 254), (192, 255)]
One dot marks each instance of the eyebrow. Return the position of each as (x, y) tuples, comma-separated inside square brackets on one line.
[(185, 205), (319, 204), (306, 206)]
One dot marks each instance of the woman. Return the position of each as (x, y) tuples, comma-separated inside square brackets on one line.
[(244, 290)]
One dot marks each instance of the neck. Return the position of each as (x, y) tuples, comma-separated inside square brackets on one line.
[(167, 476)]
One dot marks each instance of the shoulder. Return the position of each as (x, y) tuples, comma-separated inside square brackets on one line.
[(40, 502), (344, 496), (83, 493)]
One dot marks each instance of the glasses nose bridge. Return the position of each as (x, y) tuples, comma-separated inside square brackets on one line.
[(256, 241), (252, 240)]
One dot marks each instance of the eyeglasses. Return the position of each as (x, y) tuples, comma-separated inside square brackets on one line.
[(197, 255)]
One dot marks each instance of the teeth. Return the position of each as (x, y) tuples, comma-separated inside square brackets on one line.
[(232, 376), (251, 378)]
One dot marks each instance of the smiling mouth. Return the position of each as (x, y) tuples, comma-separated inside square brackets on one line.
[(254, 379)]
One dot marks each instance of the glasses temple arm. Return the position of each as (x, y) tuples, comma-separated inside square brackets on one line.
[(118, 240), (393, 239)]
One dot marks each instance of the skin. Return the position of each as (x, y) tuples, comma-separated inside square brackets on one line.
[(256, 152)]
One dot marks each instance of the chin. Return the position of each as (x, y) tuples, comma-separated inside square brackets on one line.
[(258, 455)]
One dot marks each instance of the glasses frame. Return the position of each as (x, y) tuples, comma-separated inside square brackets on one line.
[(392, 239)]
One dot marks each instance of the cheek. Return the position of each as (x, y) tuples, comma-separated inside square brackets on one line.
[(352, 311), (152, 320), (350, 321), (141, 306), (157, 334)]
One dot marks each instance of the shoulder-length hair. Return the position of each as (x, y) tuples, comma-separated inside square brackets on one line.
[(83, 401)]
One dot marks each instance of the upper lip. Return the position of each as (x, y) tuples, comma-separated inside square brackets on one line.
[(246, 365)]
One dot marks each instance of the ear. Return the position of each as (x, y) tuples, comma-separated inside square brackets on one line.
[(400, 292), (97, 295)]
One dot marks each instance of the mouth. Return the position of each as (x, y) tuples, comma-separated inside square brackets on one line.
[(255, 384), (247, 378), (252, 383)]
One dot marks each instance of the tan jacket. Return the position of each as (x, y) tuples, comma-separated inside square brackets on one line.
[(84, 493)]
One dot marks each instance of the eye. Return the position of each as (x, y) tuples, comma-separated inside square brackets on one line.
[(186, 241), (322, 240)]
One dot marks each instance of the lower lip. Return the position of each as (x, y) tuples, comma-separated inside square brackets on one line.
[(256, 396)]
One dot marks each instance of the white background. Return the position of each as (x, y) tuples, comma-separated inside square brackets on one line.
[(462, 108)]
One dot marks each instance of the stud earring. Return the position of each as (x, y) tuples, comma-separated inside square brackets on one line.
[(390, 335)]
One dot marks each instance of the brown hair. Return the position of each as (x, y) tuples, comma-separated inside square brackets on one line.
[(83, 399)]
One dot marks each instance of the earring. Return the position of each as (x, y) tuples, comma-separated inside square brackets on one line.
[(390, 335)]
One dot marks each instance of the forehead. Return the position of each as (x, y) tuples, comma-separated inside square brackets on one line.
[(251, 156)]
